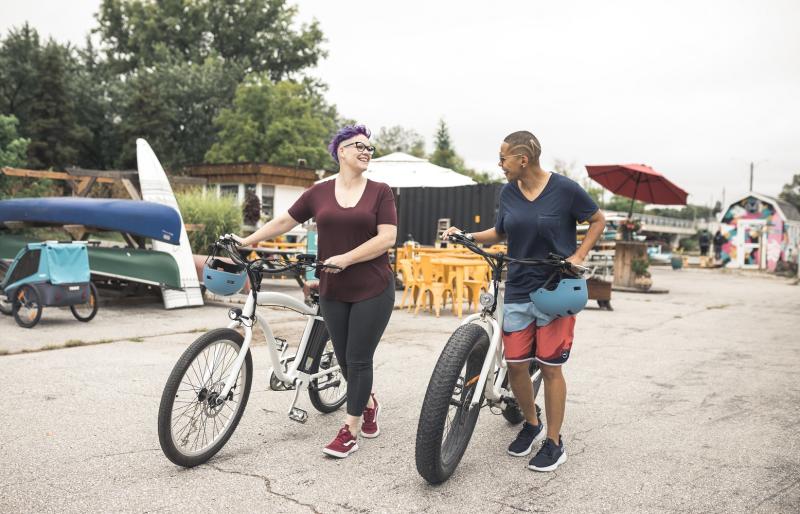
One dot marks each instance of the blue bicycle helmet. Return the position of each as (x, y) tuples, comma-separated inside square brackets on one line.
[(223, 278), (568, 298)]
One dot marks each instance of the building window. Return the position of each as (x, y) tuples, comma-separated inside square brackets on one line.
[(229, 190), (268, 200)]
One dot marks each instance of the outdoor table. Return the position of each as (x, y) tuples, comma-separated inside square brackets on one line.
[(456, 265)]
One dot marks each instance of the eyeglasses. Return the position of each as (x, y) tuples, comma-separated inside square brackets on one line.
[(503, 158), (361, 147)]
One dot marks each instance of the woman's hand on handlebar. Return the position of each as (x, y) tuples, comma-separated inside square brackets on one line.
[(336, 264), (231, 238)]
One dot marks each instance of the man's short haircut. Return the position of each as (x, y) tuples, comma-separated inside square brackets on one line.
[(524, 142), (344, 133)]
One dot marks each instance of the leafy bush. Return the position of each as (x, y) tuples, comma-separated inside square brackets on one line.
[(217, 215), (640, 267), (689, 244)]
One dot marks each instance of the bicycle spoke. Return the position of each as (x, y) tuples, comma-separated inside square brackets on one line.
[(197, 420)]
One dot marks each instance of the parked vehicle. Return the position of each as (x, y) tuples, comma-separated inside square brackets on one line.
[(48, 274)]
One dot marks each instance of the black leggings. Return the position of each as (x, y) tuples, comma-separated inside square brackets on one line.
[(355, 329)]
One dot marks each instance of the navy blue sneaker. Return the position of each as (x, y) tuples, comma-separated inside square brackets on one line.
[(523, 444), (550, 456)]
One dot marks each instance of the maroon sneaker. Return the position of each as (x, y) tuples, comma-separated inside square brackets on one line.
[(343, 444), (369, 428)]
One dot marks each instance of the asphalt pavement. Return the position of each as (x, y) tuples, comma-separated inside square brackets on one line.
[(683, 402)]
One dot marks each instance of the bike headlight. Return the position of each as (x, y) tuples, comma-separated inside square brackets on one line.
[(487, 299)]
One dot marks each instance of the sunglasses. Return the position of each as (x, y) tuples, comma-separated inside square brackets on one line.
[(361, 147), (503, 158)]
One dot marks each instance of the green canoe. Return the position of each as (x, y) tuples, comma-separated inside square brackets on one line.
[(135, 265)]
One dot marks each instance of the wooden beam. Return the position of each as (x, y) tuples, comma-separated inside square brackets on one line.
[(131, 189), (112, 174), (85, 185), (53, 175)]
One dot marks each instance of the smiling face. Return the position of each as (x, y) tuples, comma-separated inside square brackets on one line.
[(355, 153), (511, 163)]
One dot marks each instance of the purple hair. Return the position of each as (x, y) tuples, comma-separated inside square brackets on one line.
[(344, 133)]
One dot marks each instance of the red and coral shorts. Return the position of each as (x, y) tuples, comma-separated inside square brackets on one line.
[(523, 340)]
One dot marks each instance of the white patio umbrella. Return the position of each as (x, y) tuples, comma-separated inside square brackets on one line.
[(403, 170)]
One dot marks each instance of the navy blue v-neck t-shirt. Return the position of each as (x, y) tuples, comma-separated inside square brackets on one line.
[(535, 229)]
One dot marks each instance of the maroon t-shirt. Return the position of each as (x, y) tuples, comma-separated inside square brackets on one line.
[(340, 229)]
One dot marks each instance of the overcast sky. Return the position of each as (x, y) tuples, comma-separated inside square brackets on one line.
[(696, 89)]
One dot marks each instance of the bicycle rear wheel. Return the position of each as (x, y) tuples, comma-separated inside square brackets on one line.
[(192, 425), (327, 393), (446, 421)]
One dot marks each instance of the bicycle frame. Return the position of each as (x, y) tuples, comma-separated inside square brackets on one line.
[(494, 363), (293, 376)]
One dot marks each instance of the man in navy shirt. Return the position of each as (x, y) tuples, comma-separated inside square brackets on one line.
[(538, 214)]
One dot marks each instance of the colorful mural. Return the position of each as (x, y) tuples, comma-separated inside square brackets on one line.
[(751, 226)]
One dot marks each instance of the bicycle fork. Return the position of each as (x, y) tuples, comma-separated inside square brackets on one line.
[(492, 355)]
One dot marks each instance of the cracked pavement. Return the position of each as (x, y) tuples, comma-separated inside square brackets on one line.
[(684, 402)]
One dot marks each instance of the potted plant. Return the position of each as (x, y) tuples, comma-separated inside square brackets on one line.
[(628, 228), (642, 278), (676, 260)]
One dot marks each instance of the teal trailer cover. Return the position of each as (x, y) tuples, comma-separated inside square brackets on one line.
[(68, 263)]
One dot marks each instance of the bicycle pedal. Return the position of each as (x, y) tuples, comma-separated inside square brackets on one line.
[(298, 415)]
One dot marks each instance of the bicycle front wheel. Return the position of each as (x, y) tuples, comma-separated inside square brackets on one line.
[(446, 421), (193, 422)]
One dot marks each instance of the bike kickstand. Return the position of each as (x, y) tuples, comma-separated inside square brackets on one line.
[(296, 413)]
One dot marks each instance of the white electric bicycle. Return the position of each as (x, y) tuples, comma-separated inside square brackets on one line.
[(472, 373), (206, 393)]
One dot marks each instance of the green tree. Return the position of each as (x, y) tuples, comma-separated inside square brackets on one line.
[(277, 123), (56, 136), (399, 139), (791, 191), (13, 148), (443, 153), (254, 36), (13, 152), (19, 54), (172, 106), (623, 204), (90, 86)]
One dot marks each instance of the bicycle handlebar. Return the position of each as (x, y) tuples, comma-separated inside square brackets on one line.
[(497, 260), (303, 260)]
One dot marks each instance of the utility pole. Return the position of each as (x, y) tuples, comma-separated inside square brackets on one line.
[(751, 176)]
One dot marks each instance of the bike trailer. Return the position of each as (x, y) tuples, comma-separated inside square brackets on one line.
[(58, 271)]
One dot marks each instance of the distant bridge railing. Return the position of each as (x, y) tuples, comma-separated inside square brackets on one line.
[(653, 223)]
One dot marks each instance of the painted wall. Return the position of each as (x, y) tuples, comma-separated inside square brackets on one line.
[(776, 239)]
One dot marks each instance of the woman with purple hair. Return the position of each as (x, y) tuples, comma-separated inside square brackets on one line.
[(356, 224)]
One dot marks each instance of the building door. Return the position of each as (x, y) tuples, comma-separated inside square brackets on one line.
[(750, 235)]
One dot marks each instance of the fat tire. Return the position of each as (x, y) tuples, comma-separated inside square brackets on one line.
[(170, 389), (468, 342)]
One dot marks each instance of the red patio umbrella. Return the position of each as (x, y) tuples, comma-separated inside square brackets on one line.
[(637, 182)]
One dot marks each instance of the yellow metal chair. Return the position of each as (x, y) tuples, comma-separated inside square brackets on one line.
[(430, 288), (410, 282)]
